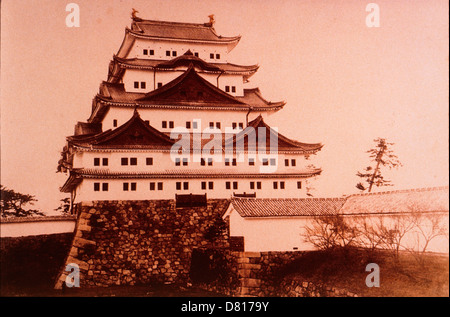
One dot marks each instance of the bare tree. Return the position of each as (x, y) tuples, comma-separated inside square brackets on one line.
[(329, 232), (383, 156)]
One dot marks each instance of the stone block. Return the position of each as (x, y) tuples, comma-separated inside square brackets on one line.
[(250, 282), (251, 254)]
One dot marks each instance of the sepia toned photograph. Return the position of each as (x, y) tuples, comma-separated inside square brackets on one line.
[(224, 153)]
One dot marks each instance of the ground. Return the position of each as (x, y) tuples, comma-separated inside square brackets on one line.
[(407, 275)]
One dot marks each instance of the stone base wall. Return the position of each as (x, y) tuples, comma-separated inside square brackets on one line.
[(142, 242), (296, 288), (31, 262)]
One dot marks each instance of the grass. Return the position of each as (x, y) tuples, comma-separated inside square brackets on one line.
[(404, 276)]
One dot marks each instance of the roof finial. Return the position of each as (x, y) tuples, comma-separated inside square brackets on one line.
[(133, 13), (211, 20)]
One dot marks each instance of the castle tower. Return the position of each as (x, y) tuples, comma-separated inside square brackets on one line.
[(174, 116)]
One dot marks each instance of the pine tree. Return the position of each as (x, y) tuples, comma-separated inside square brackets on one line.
[(382, 156)]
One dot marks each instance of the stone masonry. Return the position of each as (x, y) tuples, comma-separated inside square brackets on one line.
[(141, 242)]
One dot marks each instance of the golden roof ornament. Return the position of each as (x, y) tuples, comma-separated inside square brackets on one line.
[(133, 14), (211, 20)]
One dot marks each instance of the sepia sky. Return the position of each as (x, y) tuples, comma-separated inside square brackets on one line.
[(345, 84)]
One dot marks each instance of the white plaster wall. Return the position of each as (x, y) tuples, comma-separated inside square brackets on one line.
[(283, 234), (152, 79), (160, 47), (163, 161), (270, 234), (179, 117), (21, 229), (85, 191)]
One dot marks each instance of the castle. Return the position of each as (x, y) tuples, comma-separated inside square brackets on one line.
[(175, 117)]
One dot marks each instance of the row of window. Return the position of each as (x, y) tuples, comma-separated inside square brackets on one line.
[(189, 124), (124, 161), (132, 186), (151, 52), (143, 85)]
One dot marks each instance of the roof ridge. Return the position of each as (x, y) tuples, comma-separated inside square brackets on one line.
[(398, 191)]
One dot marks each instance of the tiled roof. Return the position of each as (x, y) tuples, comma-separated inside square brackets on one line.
[(435, 199), (284, 143), (189, 173), (134, 133), (177, 30), (400, 201), (270, 207), (183, 60), (38, 219)]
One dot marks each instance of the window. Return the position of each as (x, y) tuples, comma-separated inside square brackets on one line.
[(251, 161), (96, 187), (185, 185), (252, 185), (167, 53), (210, 161), (196, 54), (185, 161), (164, 124), (241, 125), (217, 56), (143, 85), (227, 162), (299, 185), (96, 161), (177, 161), (234, 162), (281, 185), (211, 55), (160, 85), (133, 186), (211, 125), (152, 52), (218, 125), (188, 124), (170, 124), (115, 123), (210, 185), (174, 53), (286, 162), (228, 185), (124, 161), (265, 161), (258, 185), (136, 84), (105, 187), (234, 125), (194, 124), (293, 162), (152, 186), (202, 162), (235, 185), (149, 161), (227, 88), (273, 162), (105, 161), (133, 161), (125, 186), (203, 185), (275, 185), (178, 185), (233, 88), (145, 52), (160, 186)]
